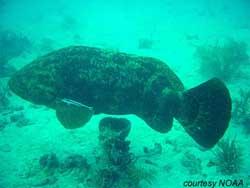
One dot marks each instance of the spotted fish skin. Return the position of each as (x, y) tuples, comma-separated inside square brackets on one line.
[(110, 82), (101, 81)]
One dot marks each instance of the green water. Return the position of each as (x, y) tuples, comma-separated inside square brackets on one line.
[(198, 40)]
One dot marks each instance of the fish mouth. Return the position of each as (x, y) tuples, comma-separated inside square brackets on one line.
[(17, 86)]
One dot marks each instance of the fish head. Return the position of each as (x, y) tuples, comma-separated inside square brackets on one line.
[(34, 84), (37, 83)]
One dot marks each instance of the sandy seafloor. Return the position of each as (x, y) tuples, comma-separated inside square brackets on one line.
[(119, 25)]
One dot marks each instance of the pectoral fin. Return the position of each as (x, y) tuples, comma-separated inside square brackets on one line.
[(72, 114)]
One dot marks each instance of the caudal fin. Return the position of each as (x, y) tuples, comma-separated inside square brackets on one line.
[(206, 112)]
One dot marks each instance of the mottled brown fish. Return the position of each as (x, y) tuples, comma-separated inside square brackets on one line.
[(103, 81)]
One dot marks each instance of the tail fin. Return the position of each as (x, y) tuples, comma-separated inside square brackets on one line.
[(206, 112)]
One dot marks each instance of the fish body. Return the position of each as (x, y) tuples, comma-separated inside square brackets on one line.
[(117, 83)]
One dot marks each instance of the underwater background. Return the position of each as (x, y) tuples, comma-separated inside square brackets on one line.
[(197, 39)]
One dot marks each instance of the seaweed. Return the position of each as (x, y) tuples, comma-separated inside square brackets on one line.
[(191, 163), (222, 60), (136, 174), (228, 158), (241, 112), (130, 177), (241, 105)]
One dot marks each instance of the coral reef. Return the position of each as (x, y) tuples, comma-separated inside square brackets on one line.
[(10, 113), (191, 163), (222, 60), (49, 162), (113, 133), (228, 157), (116, 167), (113, 165), (19, 119), (157, 149), (74, 162), (3, 124), (48, 181)]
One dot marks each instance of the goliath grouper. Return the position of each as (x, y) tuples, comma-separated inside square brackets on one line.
[(80, 81)]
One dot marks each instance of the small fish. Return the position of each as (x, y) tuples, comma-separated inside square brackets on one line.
[(103, 81)]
